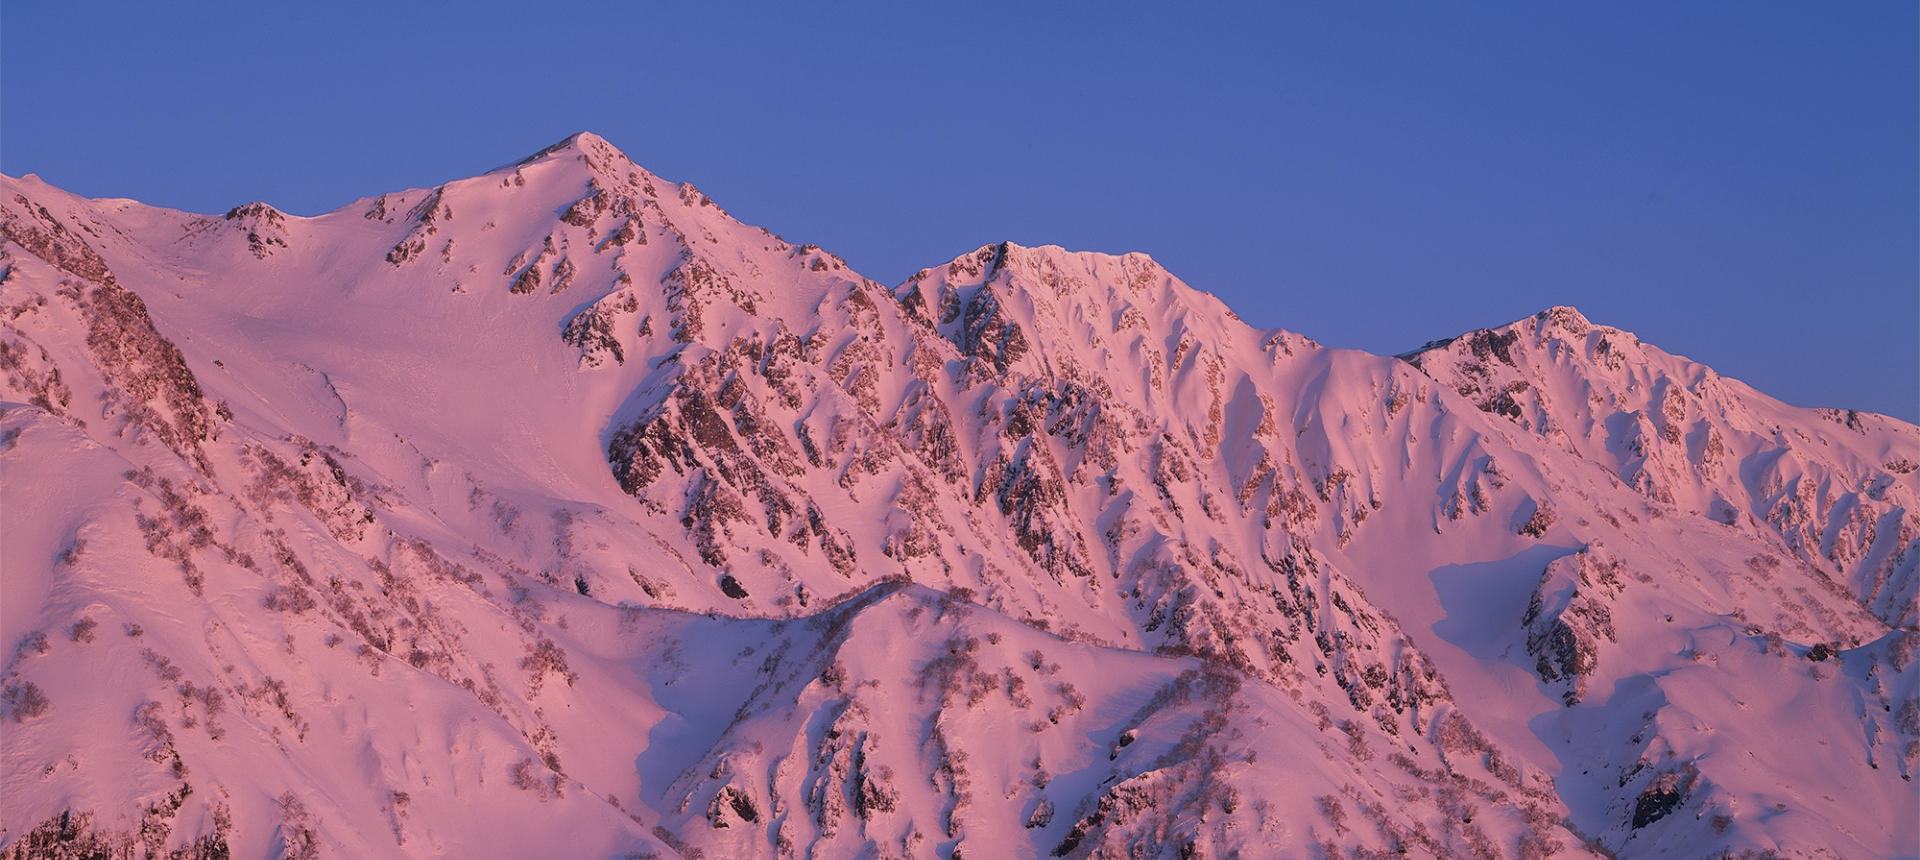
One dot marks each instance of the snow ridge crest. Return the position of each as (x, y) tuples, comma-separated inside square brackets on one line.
[(660, 535)]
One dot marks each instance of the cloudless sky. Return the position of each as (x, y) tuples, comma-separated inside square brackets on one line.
[(1735, 182)]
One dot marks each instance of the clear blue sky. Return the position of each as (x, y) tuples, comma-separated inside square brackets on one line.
[(1735, 182)]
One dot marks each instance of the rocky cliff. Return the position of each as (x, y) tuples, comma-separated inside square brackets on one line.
[(556, 511)]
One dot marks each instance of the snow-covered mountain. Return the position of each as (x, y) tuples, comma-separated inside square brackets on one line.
[(554, 512)]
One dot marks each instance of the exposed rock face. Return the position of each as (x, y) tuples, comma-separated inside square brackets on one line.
[(37, 231), (147, 379), (596, 330), (1829, 491), (265, 229), (1664, 794), (662, 536), (1570, 615)]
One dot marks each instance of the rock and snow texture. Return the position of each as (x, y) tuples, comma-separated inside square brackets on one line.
[(1826, 484), (555, 512)]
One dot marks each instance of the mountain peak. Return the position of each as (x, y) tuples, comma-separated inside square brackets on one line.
[(1677, 432), (595, 149), (1564, 318), (509, 491)]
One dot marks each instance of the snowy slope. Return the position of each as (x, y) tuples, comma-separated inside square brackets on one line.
[(554, 511), (1833, 485)]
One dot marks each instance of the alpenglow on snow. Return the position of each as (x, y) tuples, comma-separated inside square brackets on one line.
[(554, 512)]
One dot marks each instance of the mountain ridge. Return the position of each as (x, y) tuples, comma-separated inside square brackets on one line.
[(684, 418)]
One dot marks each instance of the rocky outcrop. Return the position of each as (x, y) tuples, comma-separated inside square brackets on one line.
[(597, 330), (729, 551), (149, 383), (1570, 618), (1696, 443), (153, 386), (265, 229)]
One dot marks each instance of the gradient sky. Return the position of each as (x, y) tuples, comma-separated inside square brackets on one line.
[(1735, 182)]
